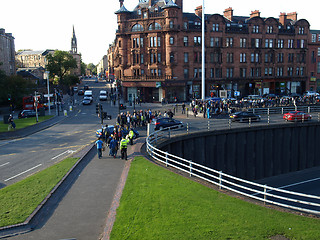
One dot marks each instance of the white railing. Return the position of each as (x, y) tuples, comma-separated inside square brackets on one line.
[(266, 194)]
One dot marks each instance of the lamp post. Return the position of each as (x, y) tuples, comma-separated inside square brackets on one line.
[(48, 86), (203, 55)]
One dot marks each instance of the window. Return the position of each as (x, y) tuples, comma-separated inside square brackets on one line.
[(279, 71), (141, 42), (301, 30), (257, 42), (197, 41), (185, 25), (157, 26), (243, 42), (186, 73), (141, 58), (266, 58), (171, 57), (215, 27), (314, 38), (229, 42), (318, 67), (186, 57), (266, 44), (269, 29), (280, 57), (280, 43), (171, 40), (185, 41), (290, 57), (318, 52), (229, 73), (171, 24), (195, 72), (211, 42), (137, 28), (211, 72), (290, 43), (252, 57), (217, 42), (257, 58), (255, 29), (229, 57), (159, 41), (243, 58), (159, 57), (290, 71), (243, 72)]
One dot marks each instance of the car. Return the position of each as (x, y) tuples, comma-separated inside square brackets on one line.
[(165, 122), (80, 92), (75, 89), (26, 113), (103, 95), (311, 93), (244, 117), (86, 101), (88, 94), (296, 116)]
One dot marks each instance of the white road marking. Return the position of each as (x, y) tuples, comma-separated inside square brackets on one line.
[(22, 173), (298, 183), (68, 151), (4, 164)]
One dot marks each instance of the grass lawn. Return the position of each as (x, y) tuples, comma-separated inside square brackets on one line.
[(158, 204), (19, 200), (23, 122)]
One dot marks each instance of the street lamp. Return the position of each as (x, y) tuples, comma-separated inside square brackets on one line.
[(203, 55), (48, 86)]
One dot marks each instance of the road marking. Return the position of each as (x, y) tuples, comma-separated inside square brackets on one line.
[(68, 151), (4, 164), (22, 173), (298, 183)]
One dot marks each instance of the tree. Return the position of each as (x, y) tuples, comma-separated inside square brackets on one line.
[(60, 63), (93, 68), (83, 68)]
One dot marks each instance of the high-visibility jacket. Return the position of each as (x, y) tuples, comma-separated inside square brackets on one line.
[(124, 143), (131, 134)]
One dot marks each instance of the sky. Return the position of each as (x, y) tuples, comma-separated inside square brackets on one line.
[(40, 25)]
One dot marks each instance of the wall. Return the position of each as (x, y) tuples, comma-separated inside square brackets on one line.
[(252, 153)]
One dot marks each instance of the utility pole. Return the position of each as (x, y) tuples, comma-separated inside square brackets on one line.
[(36, 104)]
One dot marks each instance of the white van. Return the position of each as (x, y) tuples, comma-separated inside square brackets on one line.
[(88, 94), (103, 95)]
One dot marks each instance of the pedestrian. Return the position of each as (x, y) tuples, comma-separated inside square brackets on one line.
[(123, 148), (183, 108), (113, 146), (131, 135), (99, 145), (11, 123)]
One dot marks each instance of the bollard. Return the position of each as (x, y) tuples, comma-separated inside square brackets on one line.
[(65, 113), (229, 123), (249, 122), (308, 109), (268, 111), (208, 126), (268, 119), (187, 128)]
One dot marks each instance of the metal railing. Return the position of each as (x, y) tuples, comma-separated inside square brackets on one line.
[(266, 194)]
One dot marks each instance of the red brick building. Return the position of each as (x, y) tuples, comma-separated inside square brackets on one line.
[(313, 62), (157, 52)]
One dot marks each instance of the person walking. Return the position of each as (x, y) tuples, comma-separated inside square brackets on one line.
[(131, 135), (99, 145), (11, 123), (113, 147), (123, 148)]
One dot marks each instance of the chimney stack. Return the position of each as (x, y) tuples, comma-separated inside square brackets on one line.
[(198, 11), (255, 13), (292, 16), (228, 13), (283, 18), (121, 3), (180, 4)]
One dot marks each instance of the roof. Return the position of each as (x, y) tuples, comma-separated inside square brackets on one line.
[(170, 4), (122, 10), (31, 52), (27, 74)]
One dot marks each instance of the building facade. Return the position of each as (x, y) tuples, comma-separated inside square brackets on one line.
[(75, 54), (7, 53), (157, 52), (313, 61), (102, 67)]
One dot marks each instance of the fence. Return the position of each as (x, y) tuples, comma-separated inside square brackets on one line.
[(266, 194)]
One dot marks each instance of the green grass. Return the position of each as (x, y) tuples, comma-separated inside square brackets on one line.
[(24, 122), (158, 204), (19, 200)]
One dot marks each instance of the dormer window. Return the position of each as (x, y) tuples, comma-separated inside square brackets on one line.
[(139, 11), (301, 30), (145, 15)]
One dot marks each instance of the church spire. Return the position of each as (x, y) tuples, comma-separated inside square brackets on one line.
[(74, 42)]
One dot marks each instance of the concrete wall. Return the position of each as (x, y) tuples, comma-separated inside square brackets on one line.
[(252, 153)]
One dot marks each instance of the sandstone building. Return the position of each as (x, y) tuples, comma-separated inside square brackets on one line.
[(157, 52), (7, 53)]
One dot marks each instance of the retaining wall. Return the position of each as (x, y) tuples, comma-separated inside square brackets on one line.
[(252, 153)]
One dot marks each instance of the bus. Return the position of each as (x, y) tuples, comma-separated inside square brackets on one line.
[(29, 104)]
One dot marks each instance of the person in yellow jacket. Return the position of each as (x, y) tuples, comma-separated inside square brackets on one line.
[(123, 147), (131, 134)]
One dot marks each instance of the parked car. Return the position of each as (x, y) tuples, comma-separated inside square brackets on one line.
[(80, 92), (161, 123), (296, 116), (86, 101), (75, 89), (244, 117), (27, 113)]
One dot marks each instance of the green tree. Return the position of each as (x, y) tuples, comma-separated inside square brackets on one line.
[(93, 68), (83, 68), (60, 63)]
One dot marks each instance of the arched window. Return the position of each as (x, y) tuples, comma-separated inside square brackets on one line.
[(157, 26), (137, 28), (151, 27)]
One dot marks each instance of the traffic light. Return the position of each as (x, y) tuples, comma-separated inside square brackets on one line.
[(9, 97), (97, 107)]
